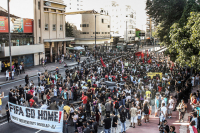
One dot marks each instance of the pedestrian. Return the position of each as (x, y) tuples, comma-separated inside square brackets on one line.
[(133, 112), (107, 123), (1, 97), (26, 79), (65, 122), (114, 124), (123, 120), (7, 112), (7, 75)]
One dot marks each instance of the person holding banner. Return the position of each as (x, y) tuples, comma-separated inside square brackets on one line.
[(1, 97)]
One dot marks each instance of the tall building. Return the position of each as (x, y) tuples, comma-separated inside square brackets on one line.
[(123, 20), (83, 23), (123, 17), (49, 22)]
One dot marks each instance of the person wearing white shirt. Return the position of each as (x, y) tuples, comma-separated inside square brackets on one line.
[(171, 105), (44, 106), (163, 111)]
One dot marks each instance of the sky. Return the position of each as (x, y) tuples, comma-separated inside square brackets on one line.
[(24, 9)]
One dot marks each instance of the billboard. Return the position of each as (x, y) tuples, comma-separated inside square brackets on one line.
[(16, 25), (3, 24), (28, 25)]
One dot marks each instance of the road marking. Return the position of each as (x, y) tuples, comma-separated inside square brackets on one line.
[(38, 131), (3, 123)]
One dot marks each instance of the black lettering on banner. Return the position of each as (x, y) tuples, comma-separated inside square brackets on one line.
[(40, 114), (45, 115), (27, 112), (21, 111), (16, 109), (32, 113), (55, 116), (11, 107), (50, 116)]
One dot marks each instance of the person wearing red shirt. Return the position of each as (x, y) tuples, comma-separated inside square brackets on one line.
[(159, 88), (31, 101), (84, 99), (48, 98)]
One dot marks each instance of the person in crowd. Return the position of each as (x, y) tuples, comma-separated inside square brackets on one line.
[(107, 123), (53, 106), (123, 120), (133, 112)]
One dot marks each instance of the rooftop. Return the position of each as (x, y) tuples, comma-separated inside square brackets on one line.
[(4, 12)]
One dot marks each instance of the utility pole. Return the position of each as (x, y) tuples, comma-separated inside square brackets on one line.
[(126, 32), (95, 38), (9, 35)]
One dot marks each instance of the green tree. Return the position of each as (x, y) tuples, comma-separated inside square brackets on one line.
[(165, 13), (186, 41), (68, 30)]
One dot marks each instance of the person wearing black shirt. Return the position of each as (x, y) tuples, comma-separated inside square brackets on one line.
[(123, 120), (114, 124), (86, 129), (79, 123), (107, 124), (95, 126), (10, 95)]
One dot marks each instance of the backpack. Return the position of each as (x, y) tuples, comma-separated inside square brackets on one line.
[(146, 110), (116, 105)]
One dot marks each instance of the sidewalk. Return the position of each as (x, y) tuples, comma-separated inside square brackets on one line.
[(153, 125), (32, 71)]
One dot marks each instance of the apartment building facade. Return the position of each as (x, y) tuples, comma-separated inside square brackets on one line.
[(83, 23), (49, 22)]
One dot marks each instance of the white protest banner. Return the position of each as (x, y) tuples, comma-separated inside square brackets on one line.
[(47, 120)]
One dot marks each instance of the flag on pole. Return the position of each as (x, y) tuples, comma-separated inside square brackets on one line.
[(102, 63), (149, 61)]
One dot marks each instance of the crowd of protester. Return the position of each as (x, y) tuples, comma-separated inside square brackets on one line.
[(115, 90)]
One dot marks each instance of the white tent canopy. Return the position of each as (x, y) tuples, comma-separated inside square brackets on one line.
[(78, 48)]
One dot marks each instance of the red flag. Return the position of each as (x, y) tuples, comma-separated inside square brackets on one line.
[(102, 63), (142, 55), (149, 61), (138, 53)]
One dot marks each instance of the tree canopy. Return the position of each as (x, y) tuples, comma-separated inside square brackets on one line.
[(178, 28)]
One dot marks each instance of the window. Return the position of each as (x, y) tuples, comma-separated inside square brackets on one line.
[(38, 5), (108, 26), (61, 27), (105, 32), (84, 25), (77, 4), (108, 32), (96, 32), (102, 20), (77, 0), (46, 26), (54, 27), (77, 8), (39, 23), (102, 33), (39, 39), (84, 32)]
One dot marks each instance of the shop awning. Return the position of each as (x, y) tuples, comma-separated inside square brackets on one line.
[(70, 48), (60, 39)]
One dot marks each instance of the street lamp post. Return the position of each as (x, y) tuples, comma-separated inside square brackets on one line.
[(95, 38), (9, 35)]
